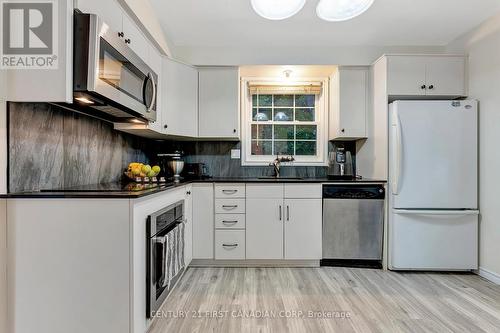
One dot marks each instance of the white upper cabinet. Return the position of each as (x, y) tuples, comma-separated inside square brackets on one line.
[(406, 75), (349, 98), (111, 13), (429, 75), (179, 99), (133, 37), (219, 103), (47, 85), (445, 76)]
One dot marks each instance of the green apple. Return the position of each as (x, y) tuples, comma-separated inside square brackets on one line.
[(156, 169), (146, 168)]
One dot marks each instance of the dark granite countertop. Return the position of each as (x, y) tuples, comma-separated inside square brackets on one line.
[(133, 191)]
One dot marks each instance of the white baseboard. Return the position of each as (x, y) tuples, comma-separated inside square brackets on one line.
[(489, 275)]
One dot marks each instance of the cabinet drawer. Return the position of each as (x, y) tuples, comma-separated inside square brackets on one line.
[(230, 206), (259, 191), (229, 191), (230, 244), (230, 221), (303, 191)]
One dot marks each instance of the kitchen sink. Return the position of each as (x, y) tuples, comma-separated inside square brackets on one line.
[(283, 178)]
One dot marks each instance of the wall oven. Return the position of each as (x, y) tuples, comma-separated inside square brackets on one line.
[(110, 81), (165, 254)]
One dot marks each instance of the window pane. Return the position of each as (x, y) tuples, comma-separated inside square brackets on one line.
[(307, 148), (306, 132), (254, 100), (283, 100), (262, 132), (265, 100), (262, 147), (262, 114), (304, 114), (283, 132), (283, 114), (305, 100), (283, 148)]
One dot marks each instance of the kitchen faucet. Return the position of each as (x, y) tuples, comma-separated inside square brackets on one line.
[(277, 163)]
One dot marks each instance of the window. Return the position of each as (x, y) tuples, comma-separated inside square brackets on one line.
[(284, 120)]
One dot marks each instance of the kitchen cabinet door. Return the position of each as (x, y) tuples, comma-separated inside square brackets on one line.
[(134, 38), (180, 96), (406, 75), (303, 227), (188, 228), (349, 103), (203, 221), (445, 76), (264, 229), (47, 85), (219, 103)]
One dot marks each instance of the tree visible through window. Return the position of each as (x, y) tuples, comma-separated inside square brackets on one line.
[(284, 124)]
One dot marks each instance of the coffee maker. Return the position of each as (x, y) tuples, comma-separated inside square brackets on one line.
[(341, 166)]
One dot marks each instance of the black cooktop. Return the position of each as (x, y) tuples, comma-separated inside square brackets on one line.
[(113, 187)]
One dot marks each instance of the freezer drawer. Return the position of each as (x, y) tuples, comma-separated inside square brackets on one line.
[(353, 229), (433, 240)]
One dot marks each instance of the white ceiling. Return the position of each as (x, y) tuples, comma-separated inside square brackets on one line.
[(232, 24)]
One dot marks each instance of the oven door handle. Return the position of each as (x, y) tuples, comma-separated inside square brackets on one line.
[(159, 252)]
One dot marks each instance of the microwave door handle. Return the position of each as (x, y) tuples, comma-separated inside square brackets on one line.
[(153, 95)]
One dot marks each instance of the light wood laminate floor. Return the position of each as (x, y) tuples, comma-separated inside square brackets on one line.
[(373, 300)]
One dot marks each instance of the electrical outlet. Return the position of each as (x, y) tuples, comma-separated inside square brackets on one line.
[(235, 154)]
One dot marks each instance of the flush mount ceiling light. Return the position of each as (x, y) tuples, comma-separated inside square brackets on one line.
[(341, 10), (277, 9)]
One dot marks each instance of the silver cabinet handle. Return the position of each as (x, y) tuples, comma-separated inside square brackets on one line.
[(229, 191), (230, 245), (287, 213), (229, 222), (280, 212), (229, 206)]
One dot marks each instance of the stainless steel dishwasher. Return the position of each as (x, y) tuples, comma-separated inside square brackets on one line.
[(353, 225)]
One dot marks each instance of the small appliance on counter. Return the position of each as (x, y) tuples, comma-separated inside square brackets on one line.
[(174, 163), (340, 165), (195, 171)]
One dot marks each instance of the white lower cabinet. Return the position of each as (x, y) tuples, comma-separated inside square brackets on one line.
[(303, 221), (283, 228), (203, 221), (230, 244), (264, 228)]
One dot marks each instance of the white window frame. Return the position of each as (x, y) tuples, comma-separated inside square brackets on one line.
[(321, 119)]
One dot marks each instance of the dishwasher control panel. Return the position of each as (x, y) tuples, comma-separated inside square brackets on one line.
[(353, 192)]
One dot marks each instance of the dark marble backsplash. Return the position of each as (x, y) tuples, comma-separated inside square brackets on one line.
[(50, 147), (217, 156)]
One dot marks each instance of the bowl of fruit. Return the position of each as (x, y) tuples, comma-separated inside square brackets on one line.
[(140, 172)]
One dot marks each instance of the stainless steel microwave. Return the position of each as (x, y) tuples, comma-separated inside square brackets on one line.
[(110, 81)]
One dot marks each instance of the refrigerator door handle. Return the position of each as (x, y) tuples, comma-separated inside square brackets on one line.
[(398, 152), (435, 212)]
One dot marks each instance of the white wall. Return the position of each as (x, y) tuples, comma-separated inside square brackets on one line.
[(483, 46)]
